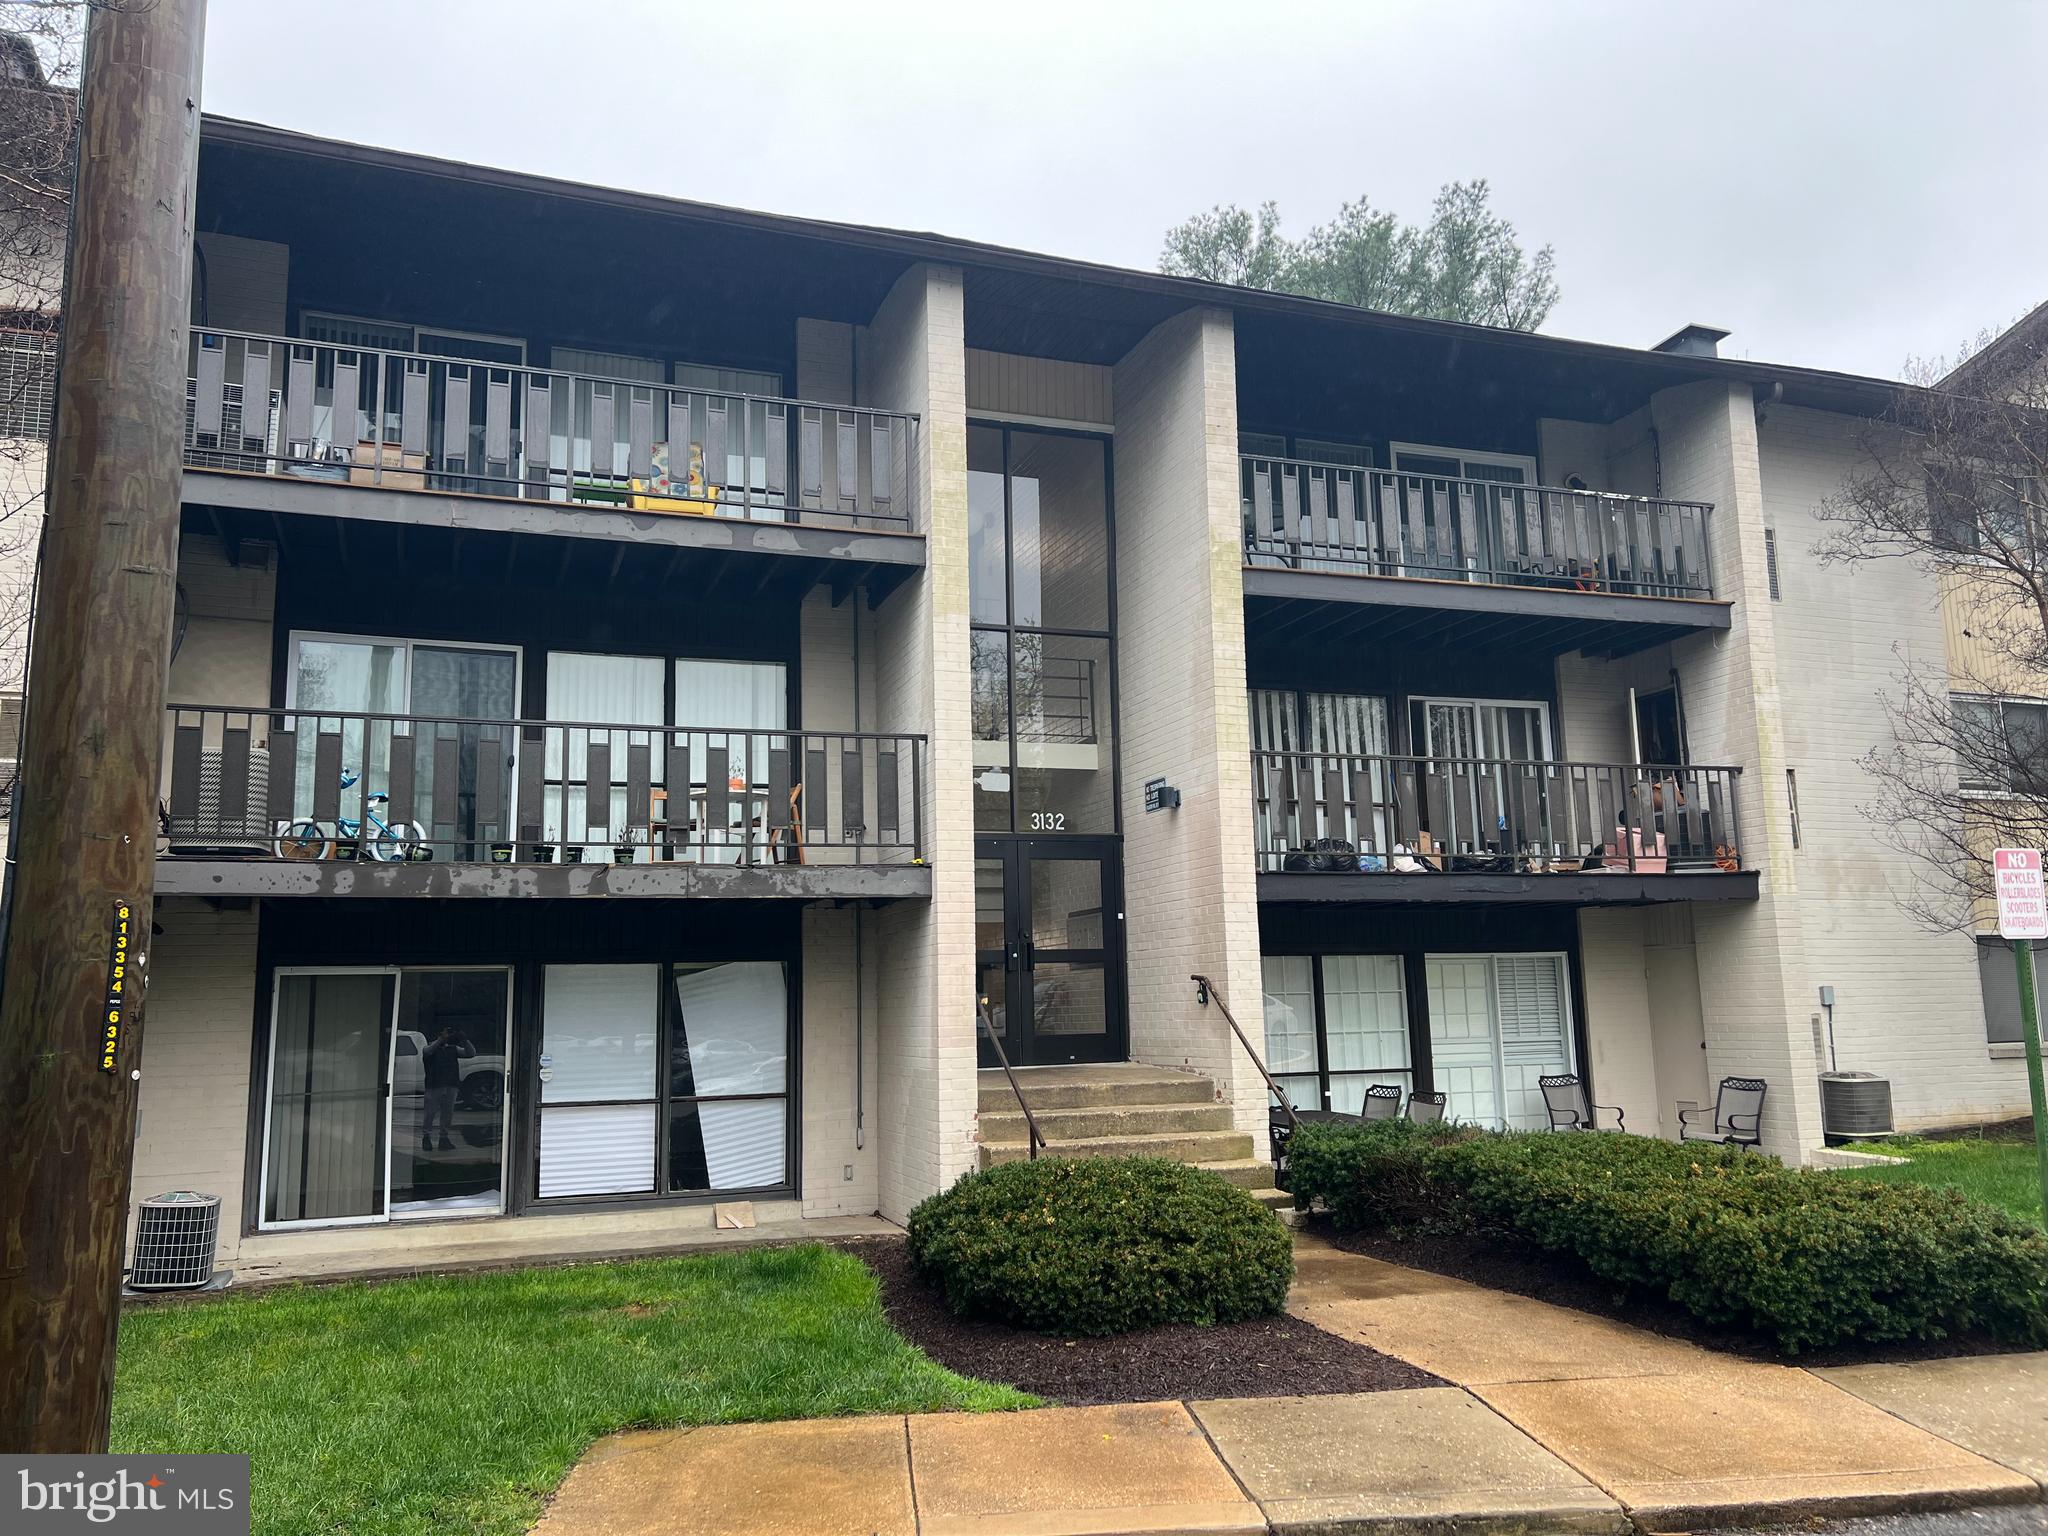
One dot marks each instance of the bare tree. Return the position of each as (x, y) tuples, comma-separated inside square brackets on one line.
[(40, 45), (1954, 479)]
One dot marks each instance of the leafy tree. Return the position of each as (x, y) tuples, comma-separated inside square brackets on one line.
[(1463, 264)]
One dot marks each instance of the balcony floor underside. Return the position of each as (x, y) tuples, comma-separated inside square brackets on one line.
[(745, 554), (286, 878), (1618, 889), (1336, 608)]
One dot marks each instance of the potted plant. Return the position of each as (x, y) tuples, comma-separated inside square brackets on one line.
[(572, 853), (540, 853), (501, 853)]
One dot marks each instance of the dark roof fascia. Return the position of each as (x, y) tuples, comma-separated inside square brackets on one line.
[(1855, 393)]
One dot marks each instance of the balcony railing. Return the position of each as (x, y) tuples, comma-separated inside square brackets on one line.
[(1322, 812), (1334, 517), (310, 784), (319, 411)]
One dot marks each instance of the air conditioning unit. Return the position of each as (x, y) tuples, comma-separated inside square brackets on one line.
[(1855, 1106), (175, 1239)]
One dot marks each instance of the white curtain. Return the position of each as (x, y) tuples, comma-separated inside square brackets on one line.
[(327, 1114), (733, 1020), (718, 702), (598, 1042), (1290, 998), (607, 690)]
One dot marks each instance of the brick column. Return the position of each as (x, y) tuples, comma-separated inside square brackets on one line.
[(1752, 961), (914, 359), (1190, 891)]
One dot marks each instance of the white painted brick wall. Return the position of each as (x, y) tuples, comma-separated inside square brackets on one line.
[(913, 358), (1908, 1002), (830, 1072), (197, 1027), (1753, 985), (1189, 875)]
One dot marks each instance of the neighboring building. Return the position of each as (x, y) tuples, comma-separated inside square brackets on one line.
[(837, 597)]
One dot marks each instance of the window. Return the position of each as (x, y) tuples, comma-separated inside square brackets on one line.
[(28, 384), (2002, 744), (386, 1095), (1040, 649), (1457, 464), (1497, 1023), (1983, 511), (1771, 561), (663, 1079), (1998, 975), (1792, 802), (1336, 1025)]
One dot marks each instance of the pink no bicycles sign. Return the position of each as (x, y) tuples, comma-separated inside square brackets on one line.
[(2022, 898)]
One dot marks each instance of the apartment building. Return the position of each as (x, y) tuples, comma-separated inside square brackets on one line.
[(649, 676)]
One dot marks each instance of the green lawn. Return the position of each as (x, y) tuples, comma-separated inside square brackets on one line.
[(2002, 1172), (456, 1403)]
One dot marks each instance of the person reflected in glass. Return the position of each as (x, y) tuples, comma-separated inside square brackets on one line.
[(444, 1056)]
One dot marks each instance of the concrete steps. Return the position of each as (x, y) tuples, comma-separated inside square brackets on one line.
[(1113, 1084), (1123, 1109)]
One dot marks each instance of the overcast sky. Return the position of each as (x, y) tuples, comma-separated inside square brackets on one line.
[(1840, 185)]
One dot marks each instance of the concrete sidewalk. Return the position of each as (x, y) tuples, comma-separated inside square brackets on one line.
[(1683, 1436), (1557, 1422)]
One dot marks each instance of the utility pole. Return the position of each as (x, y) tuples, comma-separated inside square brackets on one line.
[(93, 731)]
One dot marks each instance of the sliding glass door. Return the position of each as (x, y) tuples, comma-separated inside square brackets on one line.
[(461, 685), (386, 1095), (1496, 1024)]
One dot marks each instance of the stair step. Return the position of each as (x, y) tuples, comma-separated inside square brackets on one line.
[(1063, 1125), (1274, 1200), (1093, 1087), (1250, 1173), (1180, 1146)]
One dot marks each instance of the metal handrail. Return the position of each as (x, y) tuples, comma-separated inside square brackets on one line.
[(1205, 989), (1035, 1139)]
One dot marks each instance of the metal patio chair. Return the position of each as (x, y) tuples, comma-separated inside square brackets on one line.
[(1382, 1102), (1738, 1114), (1424, 1108), (1564, 1098)]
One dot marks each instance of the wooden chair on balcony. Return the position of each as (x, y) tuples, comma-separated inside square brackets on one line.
[(1564, 1098), (1738, 1115)]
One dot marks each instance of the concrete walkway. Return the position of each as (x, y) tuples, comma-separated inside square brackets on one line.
[(1557, 1422), (1682, 1436)]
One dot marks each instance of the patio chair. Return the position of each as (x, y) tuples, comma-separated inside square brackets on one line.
[(1424, 1108), (1564, 1097), (1382, 1102), (1738, 1114)]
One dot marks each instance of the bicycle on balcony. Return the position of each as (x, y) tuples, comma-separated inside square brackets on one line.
[(373, 838)]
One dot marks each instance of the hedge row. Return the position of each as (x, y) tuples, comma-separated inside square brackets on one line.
[(1102, 1245), (1738, 1240)]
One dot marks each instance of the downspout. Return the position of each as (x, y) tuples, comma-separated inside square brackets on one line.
[(860, 985)]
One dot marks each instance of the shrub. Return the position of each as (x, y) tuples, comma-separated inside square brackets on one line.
[(1374, 1174), (1084, 1246), (1740, 1241)]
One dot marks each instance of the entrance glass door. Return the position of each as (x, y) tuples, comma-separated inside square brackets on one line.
[(1049, 948)]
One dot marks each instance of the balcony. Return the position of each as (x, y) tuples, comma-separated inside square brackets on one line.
[(1381, 828), (1521, 564), (300, 427), (288, 802)]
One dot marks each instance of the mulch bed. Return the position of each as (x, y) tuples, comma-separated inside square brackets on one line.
[(1507, 1265), (1274, 1357)]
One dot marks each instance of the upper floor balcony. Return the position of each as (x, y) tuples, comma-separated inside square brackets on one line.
[(1580, 569), (284, 425), (1341, 826), (284, 802)]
